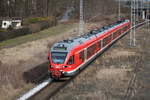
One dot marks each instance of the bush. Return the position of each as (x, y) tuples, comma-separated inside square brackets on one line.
[(37, 20), (10, 28), (44, 23), (14, 33), (38, 24), (3, 30), (34, 20)]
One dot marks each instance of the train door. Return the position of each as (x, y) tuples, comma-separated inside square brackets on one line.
[(112, 36), (77, 59), (82, 56), (71, 62), (85, 54), (99, 45)]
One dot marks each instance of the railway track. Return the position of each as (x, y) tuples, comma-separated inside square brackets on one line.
[(131, 89), (49, 87)]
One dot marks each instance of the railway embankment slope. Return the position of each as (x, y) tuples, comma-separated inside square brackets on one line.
[(24, 60)]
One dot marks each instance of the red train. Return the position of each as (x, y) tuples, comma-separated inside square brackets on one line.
[(67, 57)]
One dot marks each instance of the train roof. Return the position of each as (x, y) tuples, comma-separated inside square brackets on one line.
[(69, 44)]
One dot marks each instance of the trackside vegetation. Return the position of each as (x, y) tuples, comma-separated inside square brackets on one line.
[(35, 36)]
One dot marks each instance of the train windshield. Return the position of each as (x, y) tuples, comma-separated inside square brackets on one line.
[(58, 57)]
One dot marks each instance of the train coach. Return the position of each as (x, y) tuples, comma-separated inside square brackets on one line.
[(68, 57)]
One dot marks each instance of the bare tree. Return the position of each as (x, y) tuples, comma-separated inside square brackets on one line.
[(32, 8)]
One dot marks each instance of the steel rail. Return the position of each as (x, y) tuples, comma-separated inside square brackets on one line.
[(45, 83)]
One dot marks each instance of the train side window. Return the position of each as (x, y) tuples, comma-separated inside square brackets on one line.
[(71, 60), (115, 34), (104, 41), (99, 44), (91, 50), (81, 55)]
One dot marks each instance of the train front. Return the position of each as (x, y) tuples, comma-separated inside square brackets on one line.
[(58, 56)]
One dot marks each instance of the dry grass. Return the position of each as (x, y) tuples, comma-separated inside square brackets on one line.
[(112, 73), (40, 35), (10, 81), (16, 61), (121, 53)]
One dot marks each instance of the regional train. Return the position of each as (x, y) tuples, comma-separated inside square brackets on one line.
[(68, 57)]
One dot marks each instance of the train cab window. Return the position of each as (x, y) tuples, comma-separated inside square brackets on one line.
[(58, 57), (71, 60)]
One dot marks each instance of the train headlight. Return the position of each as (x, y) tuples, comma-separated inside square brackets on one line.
[(51, 66), (64, 66)]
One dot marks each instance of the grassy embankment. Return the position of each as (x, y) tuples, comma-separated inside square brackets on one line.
[(35, 36)]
